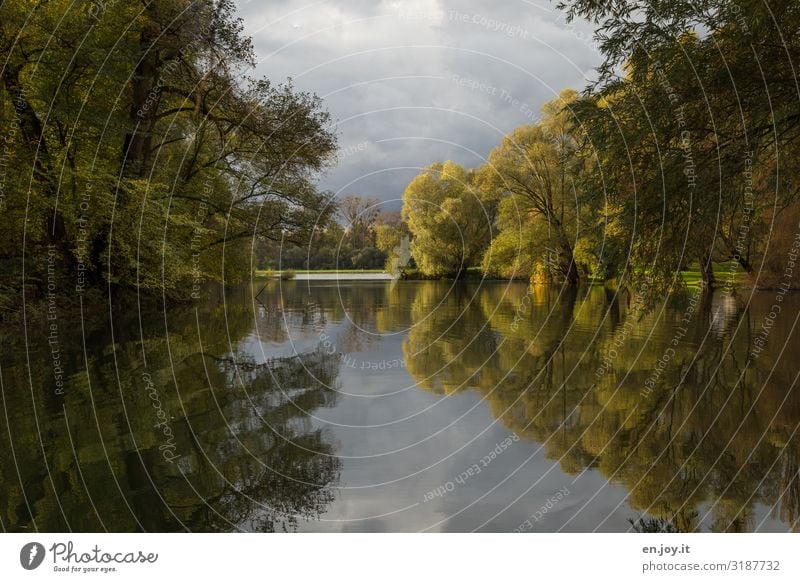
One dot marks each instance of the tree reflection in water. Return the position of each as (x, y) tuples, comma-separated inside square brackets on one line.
[(715, 436), (675, 410), (248, 456)]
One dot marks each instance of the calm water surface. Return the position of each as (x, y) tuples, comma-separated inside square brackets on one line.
[(404, 406)]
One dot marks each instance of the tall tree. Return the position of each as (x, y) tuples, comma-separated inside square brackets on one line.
[(533, 170), (145, 152), (687, 106), (360, 216), (449, 217)]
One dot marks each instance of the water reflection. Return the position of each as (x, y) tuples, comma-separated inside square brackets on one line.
[(343, 406), (668, 406), (173, 432)]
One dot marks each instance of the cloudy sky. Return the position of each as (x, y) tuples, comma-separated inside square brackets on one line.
[(410, 82)]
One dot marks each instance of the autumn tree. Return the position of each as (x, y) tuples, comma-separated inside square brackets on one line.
[(693, 138), (533, 171), (450, 218)]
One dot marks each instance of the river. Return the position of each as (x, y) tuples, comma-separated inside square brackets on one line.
[(404, 406)]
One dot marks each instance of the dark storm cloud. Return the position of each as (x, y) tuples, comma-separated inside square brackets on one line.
[(412, 82)]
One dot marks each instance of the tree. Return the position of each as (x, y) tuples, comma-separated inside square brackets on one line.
[(533, 171), (164, 157), (392, 237), (360, 216), (695, 118), (450, 219), (369, 258)]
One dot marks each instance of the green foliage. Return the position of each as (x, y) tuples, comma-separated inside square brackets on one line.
[(162, 154), (369, 258), (514, 251), (393, 240), (689, 157), (387, 237), (537, 176), (689, 143), (450, 218)]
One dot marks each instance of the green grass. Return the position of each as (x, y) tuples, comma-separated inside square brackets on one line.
[(722, 274), (691, 276)]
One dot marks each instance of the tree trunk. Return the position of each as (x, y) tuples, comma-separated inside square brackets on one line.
[(744, 263), (33, 136), (146, 92), (569, 269), (707, 272)]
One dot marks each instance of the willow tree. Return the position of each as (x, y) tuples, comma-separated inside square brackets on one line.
[(450, 219), (703, 121), (533, 171)]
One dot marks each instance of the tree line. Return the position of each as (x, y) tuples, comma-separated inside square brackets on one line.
[(684, 152), (362, 234), (139, 152), (682, 467)]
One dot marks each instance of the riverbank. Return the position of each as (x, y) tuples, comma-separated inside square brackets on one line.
[(326, 275), (725, 273)]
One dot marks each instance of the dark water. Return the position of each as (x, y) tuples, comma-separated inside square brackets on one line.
[(378, 406)]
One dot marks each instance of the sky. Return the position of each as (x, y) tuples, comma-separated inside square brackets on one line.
[(409, 83)]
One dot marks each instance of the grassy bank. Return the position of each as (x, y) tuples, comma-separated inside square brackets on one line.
[(723, 272)]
